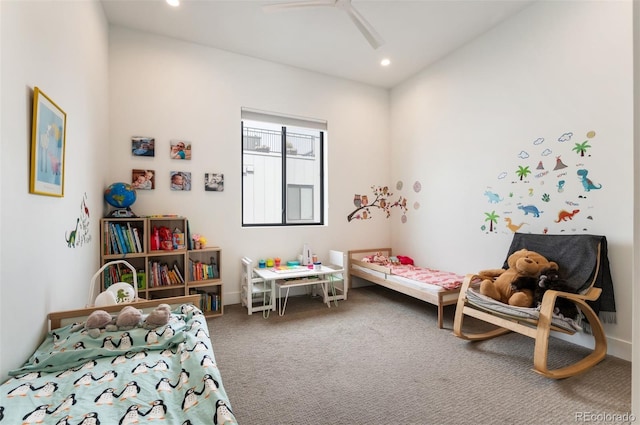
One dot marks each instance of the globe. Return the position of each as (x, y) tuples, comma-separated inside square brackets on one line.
[(120, 195)]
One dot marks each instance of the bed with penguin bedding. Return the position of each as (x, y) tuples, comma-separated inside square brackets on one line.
[(166, 374)]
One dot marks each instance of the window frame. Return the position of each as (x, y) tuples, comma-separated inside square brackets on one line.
[(285, 123)]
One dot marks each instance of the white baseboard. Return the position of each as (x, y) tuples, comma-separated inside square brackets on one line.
[(615, 347)]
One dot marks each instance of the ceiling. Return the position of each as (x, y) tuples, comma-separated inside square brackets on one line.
[(323, 39)]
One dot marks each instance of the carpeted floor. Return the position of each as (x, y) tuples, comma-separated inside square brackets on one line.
[(379, 358)]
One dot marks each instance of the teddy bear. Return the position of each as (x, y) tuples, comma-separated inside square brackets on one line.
[(499, 283)]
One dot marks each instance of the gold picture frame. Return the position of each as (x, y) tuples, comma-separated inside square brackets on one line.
[(48, 142)]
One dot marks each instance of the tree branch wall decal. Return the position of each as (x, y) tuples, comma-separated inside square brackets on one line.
[(381, 201)]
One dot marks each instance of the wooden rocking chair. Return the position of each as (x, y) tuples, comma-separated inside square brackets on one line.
[(584, 265)]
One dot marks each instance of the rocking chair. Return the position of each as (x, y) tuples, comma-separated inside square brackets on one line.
[(584, 266)]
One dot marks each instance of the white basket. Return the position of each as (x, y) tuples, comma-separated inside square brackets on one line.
[(118, 285)]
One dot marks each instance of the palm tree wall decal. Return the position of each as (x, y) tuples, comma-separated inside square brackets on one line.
[(523, 171), (492, 218), (581, 148)]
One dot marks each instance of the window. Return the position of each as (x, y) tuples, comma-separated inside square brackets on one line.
[(282, 170)]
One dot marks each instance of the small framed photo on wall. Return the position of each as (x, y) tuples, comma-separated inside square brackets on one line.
[(214, 182), (180, 149), (143, 179), (143, 146), (180, 180)]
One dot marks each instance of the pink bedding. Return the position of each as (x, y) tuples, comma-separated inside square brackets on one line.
[(446, 280)]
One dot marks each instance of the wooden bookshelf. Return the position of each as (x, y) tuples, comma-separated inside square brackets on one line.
[(157, 248)]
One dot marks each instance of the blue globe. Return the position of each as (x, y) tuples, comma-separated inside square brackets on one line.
[(120, 195)]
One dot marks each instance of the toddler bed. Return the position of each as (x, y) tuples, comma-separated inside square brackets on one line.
[(136, 376), (436, 287)]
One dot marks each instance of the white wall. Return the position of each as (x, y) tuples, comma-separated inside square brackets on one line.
[(39, 273), (635, 295), (553, 68), (168, 89)]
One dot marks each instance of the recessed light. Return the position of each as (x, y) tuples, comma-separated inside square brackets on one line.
[(385, 62), (174, 3)]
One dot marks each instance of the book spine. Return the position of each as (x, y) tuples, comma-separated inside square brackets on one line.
[(189, 241), (106, 247), (114, 231), (152, 282), (136, 236), (192, 275), (112, 240), (164, 273), (176, 268), (130, 238), (123, 246), (125, 237)]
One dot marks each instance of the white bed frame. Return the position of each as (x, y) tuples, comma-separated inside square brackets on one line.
[(439, 298)]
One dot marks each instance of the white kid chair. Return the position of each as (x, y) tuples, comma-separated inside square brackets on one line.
[(253, 287)]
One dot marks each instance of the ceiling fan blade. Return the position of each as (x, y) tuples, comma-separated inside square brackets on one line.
[(365, 27), (297, 4)]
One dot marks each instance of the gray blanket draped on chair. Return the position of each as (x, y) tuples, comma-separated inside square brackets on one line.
[(576, 257)]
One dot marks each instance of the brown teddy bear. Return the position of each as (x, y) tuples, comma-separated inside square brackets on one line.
[(499, 284)]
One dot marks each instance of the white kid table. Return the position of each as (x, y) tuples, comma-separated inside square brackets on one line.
[(289, 277)]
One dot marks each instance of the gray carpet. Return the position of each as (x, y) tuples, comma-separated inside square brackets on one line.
[(379, 358)]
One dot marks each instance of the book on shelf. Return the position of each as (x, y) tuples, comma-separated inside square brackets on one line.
[(203, 271), (131, 239), (189, 241), (116, 273), (114, 243), (118, 248), (138, 239), (106, 241), (209, 301), (123, 240), (162, 275), (176, 269)]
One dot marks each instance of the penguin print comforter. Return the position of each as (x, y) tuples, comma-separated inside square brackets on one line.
[(164, 375)]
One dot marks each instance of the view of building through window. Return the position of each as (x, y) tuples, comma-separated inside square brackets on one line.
[(282, 172)]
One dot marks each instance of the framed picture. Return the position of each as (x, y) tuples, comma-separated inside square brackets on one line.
[(214, 182), (180, 180), (143, 179), (48, 141), (180, 149), (143, 146)]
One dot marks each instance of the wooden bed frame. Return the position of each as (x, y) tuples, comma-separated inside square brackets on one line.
[(436, 298), (61, 318)]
